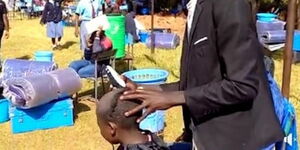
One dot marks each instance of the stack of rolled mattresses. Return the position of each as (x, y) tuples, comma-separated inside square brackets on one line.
[(32, 91), (270, 37), (28, 91)]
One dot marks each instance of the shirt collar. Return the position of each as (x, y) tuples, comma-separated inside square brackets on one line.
[(191, 4)]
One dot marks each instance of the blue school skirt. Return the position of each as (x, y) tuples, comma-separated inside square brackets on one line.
[(55, 30)]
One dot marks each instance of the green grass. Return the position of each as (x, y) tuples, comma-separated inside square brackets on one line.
[(27, 36)]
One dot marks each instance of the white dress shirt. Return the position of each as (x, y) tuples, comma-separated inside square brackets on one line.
[(191, 6)]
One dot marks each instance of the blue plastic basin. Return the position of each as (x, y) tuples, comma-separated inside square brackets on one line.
[(147, 76)]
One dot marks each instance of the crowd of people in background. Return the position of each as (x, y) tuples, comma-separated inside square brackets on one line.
[(53, 16), (86, 10)]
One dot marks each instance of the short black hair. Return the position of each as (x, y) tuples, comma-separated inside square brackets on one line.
[(111, 109)]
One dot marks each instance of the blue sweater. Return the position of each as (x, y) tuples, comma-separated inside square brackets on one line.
[(52, 12)]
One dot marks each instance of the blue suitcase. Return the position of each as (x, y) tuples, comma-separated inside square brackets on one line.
[(55, 114)]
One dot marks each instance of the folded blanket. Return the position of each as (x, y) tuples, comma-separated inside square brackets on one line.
[(32, 91), (22, 68)]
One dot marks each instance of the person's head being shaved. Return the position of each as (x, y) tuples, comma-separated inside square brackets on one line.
[(110, 115)]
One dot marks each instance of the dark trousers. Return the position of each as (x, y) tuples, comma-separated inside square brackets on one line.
[(1, 34)]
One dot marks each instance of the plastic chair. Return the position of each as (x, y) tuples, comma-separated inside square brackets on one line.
[(100, 57)]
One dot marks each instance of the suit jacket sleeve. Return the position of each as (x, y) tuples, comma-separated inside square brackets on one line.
[(170, 86), (237, 48)]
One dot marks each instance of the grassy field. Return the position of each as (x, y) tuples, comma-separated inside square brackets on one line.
[(27, 36)]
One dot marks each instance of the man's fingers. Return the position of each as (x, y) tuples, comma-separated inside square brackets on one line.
[(123, 78), (111, 87), (142, 93), (133, 96), (129, 84), (146, 92), (129, 92), (138, 90), (135, 110)]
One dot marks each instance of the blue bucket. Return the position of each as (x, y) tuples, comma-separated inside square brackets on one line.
[(266, 17), (155, 122), (143, 36), (4, 110), (296, 43), (145, 11), (43, 56)]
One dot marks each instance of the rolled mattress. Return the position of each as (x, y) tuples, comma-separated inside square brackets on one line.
[(29, 92), (22, 68), (164, 40), (278, 36), (32, 91), (67, 80)]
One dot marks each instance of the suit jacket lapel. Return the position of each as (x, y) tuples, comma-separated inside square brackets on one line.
[(183, 62), (197, 13)]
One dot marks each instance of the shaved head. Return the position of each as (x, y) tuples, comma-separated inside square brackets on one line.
[(111, 109)]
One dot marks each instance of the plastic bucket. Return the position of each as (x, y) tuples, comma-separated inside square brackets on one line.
[(296, 43), (43, 56), (143, 36), (145, 11), (155, 122), (4, 110), (266, 17), (116, 33)]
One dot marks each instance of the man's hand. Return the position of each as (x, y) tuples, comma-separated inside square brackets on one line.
[(6, 34), (130, 85), (152, 100)]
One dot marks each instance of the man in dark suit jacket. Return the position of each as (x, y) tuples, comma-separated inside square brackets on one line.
[(223, 87)]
